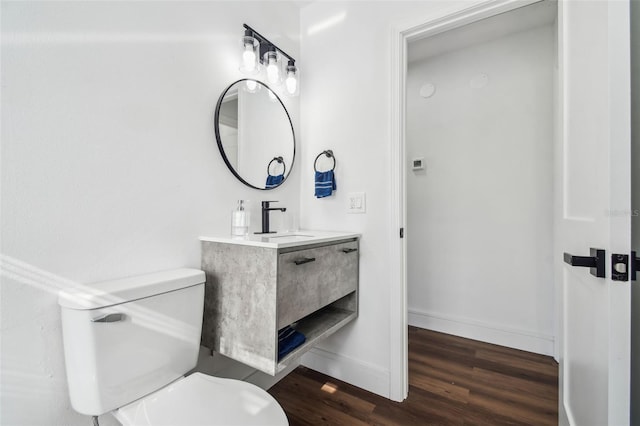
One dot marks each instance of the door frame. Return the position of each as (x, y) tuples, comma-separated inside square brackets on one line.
[(401, 35)]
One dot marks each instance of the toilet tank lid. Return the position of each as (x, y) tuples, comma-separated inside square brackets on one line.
[(113, 292)]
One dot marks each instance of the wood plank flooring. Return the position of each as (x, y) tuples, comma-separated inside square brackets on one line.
[(452, 381)]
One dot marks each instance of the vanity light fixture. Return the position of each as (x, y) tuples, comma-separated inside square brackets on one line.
[(259, 54)]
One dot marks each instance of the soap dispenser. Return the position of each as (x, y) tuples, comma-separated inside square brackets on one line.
[(240, 221)]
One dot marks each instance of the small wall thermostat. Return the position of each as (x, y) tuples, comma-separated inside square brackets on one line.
[(417, 163)]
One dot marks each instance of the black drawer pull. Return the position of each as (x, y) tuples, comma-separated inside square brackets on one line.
[(349, 250), (304, 260)]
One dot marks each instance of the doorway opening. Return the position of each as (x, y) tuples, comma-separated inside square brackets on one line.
[(479, 145), (402, 165)]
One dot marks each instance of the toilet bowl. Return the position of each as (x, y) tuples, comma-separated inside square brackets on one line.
[(128, 344), (200, 399)]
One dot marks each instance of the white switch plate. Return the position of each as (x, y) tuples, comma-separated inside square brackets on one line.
[(356, 202)]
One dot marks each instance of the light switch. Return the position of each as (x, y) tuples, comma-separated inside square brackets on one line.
[(356, 202)]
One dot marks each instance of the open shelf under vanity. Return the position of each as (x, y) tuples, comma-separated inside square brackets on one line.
[(318, 326)]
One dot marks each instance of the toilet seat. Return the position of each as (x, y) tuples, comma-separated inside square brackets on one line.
[(203, 400)]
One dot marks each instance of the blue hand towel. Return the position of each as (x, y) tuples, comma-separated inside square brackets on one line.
[(325, 183), (288, 340), (273, 181)]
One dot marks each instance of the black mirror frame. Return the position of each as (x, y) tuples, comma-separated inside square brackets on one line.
[(219, 139)]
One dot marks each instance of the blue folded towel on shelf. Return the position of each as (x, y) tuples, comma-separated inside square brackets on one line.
[(288, 340), (325, 184), (273, 181)]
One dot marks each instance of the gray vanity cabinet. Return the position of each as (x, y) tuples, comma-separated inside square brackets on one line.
[(252, 292)]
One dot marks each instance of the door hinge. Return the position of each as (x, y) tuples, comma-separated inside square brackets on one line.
[(401, 232), (619, 267), (635, 265)]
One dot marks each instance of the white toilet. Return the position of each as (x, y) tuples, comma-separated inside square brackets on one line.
[(127, 345)]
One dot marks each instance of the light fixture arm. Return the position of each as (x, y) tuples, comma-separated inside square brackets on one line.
[(266, 45)]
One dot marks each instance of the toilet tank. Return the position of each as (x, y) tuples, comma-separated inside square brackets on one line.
[(124, 339)]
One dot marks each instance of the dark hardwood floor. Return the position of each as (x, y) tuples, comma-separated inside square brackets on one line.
[(452, 381)]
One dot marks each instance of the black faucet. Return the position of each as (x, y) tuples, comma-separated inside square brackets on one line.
[(265, 216)]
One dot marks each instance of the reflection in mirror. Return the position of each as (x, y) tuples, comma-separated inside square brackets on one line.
[(254, 134)]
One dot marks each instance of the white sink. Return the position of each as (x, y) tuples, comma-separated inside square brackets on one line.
[(289, 238), (283, 239)]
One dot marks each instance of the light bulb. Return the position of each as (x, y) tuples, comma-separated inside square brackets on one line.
[(273, 73), (272, 96), (291, 83), (248, 58)]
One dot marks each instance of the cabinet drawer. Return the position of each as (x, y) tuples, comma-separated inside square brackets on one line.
[(312, 278)]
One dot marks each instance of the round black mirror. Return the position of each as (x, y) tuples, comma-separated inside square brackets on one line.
[(255, 134)]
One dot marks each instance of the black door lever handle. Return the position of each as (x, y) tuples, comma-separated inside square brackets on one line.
[(596, 262)]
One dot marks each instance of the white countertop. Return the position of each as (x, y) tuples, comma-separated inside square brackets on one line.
[(283, 239)]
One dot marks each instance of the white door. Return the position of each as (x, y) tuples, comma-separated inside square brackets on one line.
[(595, 210)]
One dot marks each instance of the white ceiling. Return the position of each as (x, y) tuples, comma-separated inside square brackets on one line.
[(522, 19)]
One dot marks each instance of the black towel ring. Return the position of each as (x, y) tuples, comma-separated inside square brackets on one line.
[(329, 154), (280, 160)]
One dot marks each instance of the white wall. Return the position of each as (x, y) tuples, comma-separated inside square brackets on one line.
[(345, 106), (109, 162), (480, 217), (635, 203)]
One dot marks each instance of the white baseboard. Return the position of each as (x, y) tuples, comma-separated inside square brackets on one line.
[(483, 331), (361, 374)]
